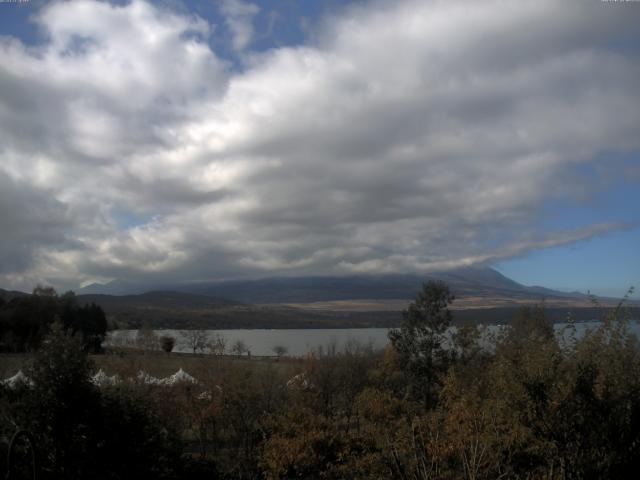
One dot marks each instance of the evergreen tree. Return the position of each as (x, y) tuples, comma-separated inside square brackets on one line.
[(63, 405), (419, 341)]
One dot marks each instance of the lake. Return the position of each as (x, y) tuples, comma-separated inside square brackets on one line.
[(299, 342), (261, 342)]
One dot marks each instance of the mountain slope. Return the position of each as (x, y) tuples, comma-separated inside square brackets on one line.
[(9, 294), (468, 282), (465, 282)]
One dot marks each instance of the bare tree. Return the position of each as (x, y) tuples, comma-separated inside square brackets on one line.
[(217, 345), (146, 338), (280, 350), (239, 347), (195, 339)]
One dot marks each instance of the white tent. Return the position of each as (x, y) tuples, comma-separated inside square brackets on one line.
[(101, 378), (18, 379), (144, 377), (179, 377)]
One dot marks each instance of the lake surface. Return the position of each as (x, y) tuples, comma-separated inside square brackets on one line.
[(261, 342), (299, 342)]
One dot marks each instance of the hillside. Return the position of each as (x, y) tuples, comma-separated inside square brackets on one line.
[(9, 294)]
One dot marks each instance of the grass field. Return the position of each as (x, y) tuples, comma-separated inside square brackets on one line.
[(159, 364)]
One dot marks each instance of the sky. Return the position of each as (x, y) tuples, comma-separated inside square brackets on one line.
[(188, 141)]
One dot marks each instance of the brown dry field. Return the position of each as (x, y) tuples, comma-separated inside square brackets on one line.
[(462, 303)]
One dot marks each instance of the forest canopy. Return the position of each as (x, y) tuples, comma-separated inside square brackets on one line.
[(25, 320)]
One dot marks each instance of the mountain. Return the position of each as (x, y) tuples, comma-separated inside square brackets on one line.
[(9, 294), (483, 282), (482, 294)]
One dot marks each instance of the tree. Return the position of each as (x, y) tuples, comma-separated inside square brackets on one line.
[(239, 347), (419, 341), (280, 350), (63, 407), (196, 339), (141, 435), (217, 345), (89, 320), (167, 343), (41, 291), (25, 320), (146, 338), (84, 432)]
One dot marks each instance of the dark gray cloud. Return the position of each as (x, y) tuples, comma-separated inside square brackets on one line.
[(409, 136), (32, 220)]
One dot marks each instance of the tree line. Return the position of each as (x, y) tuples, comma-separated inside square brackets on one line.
[(26, 320)]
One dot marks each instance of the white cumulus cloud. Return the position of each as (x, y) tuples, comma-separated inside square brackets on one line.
[(409, 136)]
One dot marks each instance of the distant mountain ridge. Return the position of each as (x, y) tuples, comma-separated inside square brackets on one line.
[(471, 281), (9, 294), (482, 295)]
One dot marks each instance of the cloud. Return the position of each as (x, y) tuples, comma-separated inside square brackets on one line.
[(407, 136), (239, 19), (32, 221)]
